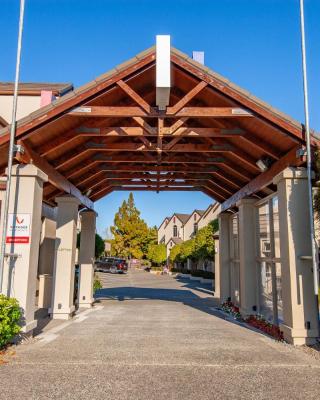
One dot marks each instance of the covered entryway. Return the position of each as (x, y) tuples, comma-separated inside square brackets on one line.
[(162, 121)]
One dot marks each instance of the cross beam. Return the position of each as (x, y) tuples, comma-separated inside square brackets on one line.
[(194, 112)]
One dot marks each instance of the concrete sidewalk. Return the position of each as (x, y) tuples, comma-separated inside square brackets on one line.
[(153, 337)]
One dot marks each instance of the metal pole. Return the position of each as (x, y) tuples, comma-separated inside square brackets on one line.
[(11, 145), (306, 110)]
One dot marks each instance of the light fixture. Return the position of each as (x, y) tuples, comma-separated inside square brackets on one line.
[(88, 192), (264, 163)]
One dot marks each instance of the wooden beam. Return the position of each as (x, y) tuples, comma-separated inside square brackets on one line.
[(225, 90), (134, 95), (89, 164), (54, 177), (188, 97), (212, 193), (155, 189), (94, 181), (174, 127), (93, 91), (264, 179), (249, 138), (101, 192), (145, 126), (115, 182), (124, 112)]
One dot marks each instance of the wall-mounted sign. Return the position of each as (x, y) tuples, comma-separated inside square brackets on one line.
[(18, 228)]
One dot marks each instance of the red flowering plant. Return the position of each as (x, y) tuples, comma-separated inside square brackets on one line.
[(229, 308), (258, 322)]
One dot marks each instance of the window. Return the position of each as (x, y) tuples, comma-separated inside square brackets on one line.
[(235, 259), (163, 239), (195, 228), (175, 231), (269, 262), (195, 217)]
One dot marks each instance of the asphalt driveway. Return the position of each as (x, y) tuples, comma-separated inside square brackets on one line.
[(154, 337)]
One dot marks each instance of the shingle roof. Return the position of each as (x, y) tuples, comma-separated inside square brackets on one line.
[(200, 212), (33, 88), (175, 240), (183, 217)]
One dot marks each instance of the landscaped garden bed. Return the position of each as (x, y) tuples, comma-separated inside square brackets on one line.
[(256, 321)]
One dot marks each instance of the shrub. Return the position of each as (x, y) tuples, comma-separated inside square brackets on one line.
[(96, 284), (157, 254), (10, 314)]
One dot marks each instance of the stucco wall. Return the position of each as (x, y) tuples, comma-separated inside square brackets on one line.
[(210, 216), (26, 105)]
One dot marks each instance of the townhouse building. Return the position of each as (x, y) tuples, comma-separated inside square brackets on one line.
[(181, 227)]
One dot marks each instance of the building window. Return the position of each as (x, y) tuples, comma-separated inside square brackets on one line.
[(175, 231), (195, 217), (195, 228), (269, 261), (163, 239)]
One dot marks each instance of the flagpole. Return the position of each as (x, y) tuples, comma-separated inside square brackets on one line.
[(309, 160), (11, 145)]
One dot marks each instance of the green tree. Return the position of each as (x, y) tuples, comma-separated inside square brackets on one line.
[(157, 254), (175, 253), (131, 234), (100, 246), (187, 250), (204, 243)]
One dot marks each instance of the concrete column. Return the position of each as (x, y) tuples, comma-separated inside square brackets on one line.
[(247, 253), (46, 256), (222, 269), (86, 257), (64, 268), (23, 238), (300, 312), (216, 268)]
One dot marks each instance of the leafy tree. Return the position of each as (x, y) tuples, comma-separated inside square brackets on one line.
[(215, 225), (175, 253), (187, 250), (204, 243), (100, 246), (157, 254), (131, 235)]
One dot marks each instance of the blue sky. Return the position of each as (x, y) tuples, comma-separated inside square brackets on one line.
[(254, 43)]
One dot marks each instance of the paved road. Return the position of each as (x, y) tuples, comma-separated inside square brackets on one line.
[(157, 338)]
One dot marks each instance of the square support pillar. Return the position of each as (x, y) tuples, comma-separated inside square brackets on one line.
[(23, 237), (222, 267), (64, 268), (46, 256), (300, 310), (247, 255), (216, 267), (86, 257)]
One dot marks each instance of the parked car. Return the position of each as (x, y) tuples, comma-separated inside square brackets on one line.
[(111, 264)]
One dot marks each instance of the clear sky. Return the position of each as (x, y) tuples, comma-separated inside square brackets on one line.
[(254, 43)]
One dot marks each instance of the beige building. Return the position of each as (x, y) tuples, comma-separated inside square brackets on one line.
[(181, 227)]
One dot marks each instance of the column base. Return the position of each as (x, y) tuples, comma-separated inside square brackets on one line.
[(63, 313), (29, 327), (87, 304), (299, 337)]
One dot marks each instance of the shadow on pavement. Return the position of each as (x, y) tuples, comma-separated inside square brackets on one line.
[(183, 296)]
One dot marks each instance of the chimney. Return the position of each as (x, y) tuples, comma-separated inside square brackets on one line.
[(198, 56)]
